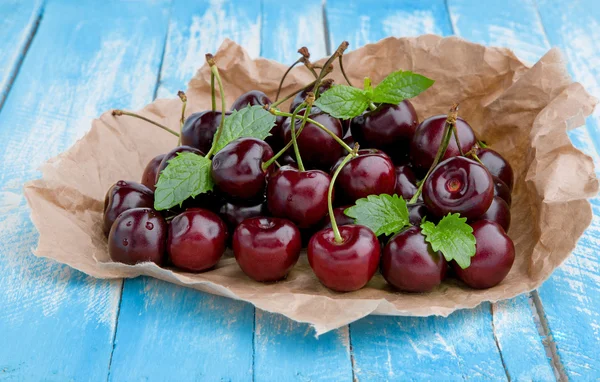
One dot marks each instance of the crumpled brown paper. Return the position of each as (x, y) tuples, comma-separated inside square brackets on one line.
[(521, 112)]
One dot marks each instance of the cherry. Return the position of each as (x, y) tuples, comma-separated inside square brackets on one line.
[(416, 213), (301, 96), (197, 240), (266, 248), (199, 129), (370, 173), (499, 212), (300, 196), (410, 264), (149, 174), (251, 98), (123, 196), (429, 136), (406, 182), (389, 128), (458, 185), (340, 218), (497, 166), (346, 266), (494, 256), (172, 154), (237, 168), (319, 150), (138, 235), (234, 214), (502, 190)]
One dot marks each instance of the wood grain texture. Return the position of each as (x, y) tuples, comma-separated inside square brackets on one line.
[(57, 323)]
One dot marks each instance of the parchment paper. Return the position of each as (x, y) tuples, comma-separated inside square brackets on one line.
[(521, 112)]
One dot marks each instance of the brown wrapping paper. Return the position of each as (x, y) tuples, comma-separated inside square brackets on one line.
[(521, 112)]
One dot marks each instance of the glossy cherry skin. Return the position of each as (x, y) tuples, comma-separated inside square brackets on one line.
[(340, 218), (428, 137), (389, 128), (139, 235), (416, 213), (234, 214), (499, 212), (410, 264), (298, 196), (406, 182), (494, 256), (237, 169), (197, 240), (301, 96), (251, 98), (123, 196), (199, 129), (319, 150), (348, 266), (150, 172), (370, 173), (172, 154), (497, 166), (266, 248), (459, 185), (502, 190)]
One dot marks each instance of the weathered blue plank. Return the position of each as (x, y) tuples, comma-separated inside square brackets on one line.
[(361, 22), (17, 26), (168, 333), (56, 323), (217, 332), (199, 27)]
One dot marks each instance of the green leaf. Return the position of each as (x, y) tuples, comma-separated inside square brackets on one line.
[(399, 86), (383, 214), (453, 237), (186, 176), (343, 101), (249, 122)]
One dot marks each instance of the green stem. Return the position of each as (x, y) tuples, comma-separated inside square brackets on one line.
[(293, 128), (165, 128), (212, 92), (285, 75), (281, 152), (455, 133), (372, 106), (293, 94), (334, 226), (215, 71), (477, 158), (343, 71), (183, 99)]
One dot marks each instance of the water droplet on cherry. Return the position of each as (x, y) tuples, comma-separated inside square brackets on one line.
[(149, 226)]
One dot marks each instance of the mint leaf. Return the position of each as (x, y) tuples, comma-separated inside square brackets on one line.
[(383, 214), (249, 122), (343, 101), (187, 175), (398, 86), (453, 237)]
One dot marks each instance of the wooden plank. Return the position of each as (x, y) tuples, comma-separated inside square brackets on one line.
[(199, 27), (219, 330), (56, 323), (17, 26)]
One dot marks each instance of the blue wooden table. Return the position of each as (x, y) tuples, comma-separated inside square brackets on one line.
[(62, 63)]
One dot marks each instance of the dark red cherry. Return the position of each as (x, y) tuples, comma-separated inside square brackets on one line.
[(494, 256), (197, 240), (406, 182), (251, 98), (370, 173), (428, 137), (349, 139), (172, 154), (347, 266), (497, 166), (410, 264), (199, 129), (266, 248), (459, 185), (301, 96), (123, 196), (138, 236), (237, 169), (298, 196), (502, 190), (499, 212), (149, 174), (319, 150), (340, 218), (416, 213), (389, 128), (234, 214)]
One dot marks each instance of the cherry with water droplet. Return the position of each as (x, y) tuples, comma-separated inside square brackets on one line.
[(123, 196)]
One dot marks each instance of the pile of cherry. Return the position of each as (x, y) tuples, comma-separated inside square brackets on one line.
[(384, 206)]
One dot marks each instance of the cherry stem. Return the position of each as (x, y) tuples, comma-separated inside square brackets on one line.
[(344, 72), (477, 158), (455, 131), (293, 128), (213, 96), (285, 75), (310, 67), (183, 99), (320, 126), (334, 226), (117, 113), (215, 71), (338, 53), (448, 132), (268, 163), (293, 94)]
